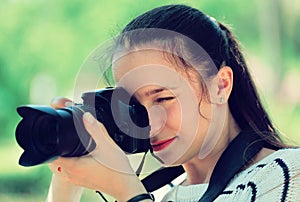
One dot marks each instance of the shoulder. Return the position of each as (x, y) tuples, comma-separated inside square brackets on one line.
[(284, 161), (276, 176), (287, 159), (286, 153)]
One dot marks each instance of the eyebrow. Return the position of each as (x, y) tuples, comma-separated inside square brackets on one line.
[(158, 90), (155, 91)]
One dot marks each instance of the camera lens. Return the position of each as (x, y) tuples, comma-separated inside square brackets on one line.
[(45, 135)]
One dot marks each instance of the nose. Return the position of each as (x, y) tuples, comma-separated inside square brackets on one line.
[(157, 119)]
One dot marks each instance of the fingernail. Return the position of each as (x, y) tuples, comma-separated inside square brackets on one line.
[(88, 117), (69, 104)]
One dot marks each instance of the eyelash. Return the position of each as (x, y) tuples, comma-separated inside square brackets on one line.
[(164, 99)]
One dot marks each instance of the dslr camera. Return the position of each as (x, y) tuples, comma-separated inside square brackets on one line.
[(45, 133)]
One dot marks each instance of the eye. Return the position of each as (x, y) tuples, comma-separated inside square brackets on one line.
[(164, 99)]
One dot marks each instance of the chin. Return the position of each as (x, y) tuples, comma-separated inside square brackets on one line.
[(169, 159)]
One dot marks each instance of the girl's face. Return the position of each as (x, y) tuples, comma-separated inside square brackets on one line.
[(179, 124)]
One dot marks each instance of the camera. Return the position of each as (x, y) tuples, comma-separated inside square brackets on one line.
[(45, 133)]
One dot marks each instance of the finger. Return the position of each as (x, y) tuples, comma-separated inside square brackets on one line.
[(57, 169), (64, 161), (60, 102), (53, 167), (107, 152), (97, 130)]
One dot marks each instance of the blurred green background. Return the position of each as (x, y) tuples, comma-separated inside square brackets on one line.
[(43, 44)]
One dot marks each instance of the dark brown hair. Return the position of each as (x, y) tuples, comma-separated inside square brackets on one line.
[(220, 44)]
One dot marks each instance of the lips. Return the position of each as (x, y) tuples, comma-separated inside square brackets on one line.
[(160, 145)]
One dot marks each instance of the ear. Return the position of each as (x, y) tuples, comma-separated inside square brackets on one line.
[(225, 83)]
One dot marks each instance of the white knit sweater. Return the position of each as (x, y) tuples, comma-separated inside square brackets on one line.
[(276, 178)]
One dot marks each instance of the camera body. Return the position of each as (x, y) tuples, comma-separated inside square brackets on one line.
[(45, 133)]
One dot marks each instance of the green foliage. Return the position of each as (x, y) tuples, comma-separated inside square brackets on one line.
[(54, 37)]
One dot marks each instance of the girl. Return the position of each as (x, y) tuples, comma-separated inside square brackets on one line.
[(204, 111)]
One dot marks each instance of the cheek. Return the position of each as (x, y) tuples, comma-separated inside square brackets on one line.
[(205, 111), (174, 117), (183, 117), (204, 120), (195, 122)]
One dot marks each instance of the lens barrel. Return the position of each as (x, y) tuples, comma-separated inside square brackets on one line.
[(45, 133)]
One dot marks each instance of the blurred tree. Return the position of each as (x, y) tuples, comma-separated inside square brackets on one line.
[(270, 30), (49, 40)]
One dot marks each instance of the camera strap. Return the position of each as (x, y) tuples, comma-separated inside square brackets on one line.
[(161, 177), (139, 169), (236, 156)]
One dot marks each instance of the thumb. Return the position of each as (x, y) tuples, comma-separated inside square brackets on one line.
[(107, 152), (59, 102), (97, 130)]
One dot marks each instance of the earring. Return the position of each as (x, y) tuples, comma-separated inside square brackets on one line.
[(222, 100)]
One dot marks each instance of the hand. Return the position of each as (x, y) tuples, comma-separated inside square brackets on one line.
[(60, 188), (106, 169), (60, 102)]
